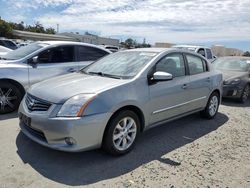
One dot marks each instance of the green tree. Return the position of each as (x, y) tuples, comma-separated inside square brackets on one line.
[(50, 30), (5, 29), (247, 54), (129, 43)]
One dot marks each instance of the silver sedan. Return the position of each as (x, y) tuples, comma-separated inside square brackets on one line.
[(111, 101)]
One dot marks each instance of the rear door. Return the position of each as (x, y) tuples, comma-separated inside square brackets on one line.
[(87, 55), (200, 82), (53, 62)]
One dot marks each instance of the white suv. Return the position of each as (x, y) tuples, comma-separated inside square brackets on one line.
[(203, 50)]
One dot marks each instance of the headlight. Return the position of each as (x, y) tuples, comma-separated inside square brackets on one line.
[(232, 82), (75, 106)]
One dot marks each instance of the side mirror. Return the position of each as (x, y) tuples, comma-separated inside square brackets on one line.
[(35, 60), (162, 76)]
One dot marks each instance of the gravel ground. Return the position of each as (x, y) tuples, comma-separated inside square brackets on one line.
[(190, 152)]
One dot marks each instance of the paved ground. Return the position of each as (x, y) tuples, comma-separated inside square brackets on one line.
[(190, 152)]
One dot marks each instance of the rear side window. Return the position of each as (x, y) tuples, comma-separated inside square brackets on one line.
[(209, 54), (196, 65), (86, 53), (57, 55)]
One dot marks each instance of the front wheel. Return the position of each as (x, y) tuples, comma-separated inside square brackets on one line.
[(121, 133), (10, 97), (212, 106), (245, 94)]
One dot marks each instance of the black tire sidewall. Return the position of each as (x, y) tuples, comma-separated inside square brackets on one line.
[(242, 100), (17, 93), (108, 144)]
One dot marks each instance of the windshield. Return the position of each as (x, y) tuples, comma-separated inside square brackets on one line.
[(240, 65), (121, 64), (23, 52)]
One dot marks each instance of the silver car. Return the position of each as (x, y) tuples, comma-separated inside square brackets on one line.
[(114, 99), (21, 68)]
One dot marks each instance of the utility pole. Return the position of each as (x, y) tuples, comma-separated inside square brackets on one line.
[(57, 28)]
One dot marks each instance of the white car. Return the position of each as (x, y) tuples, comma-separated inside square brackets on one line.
[(203, 50), (4, 50)]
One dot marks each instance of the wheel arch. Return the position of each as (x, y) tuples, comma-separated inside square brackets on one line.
[(14, 82), (132, 108)]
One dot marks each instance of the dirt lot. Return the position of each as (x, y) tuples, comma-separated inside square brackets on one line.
[(190, 152)]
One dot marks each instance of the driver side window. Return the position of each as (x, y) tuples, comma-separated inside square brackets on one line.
[(173, 64)]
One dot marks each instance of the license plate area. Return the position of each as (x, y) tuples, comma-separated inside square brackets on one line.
[(25, 119)]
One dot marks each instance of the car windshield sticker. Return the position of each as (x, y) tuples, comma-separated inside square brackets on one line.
[(147, 54)]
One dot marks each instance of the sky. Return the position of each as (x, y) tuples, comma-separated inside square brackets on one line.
[(206, 22)]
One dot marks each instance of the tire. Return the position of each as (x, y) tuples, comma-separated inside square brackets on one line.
[(10, 97), (212, 106), (116, 138), (245, 94)]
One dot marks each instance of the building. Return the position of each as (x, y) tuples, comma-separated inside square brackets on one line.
[(92, 39), (25, 35), (163, 45), (75, 37), (220, 51)]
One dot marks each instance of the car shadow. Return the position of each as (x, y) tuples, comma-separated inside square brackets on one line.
[(90, 167), (235, 103), (9, 116)]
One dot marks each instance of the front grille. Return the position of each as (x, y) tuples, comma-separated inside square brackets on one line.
[(35, 104)]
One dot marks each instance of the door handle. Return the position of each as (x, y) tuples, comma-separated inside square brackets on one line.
[(184, 86), (208, 79), (71, 70)]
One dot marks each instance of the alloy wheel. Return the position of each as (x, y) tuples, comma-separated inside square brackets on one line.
[(213, 105), (7, 98), (124, 133), (245, 93)]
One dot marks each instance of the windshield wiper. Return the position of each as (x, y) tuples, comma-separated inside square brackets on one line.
[(105, 75)]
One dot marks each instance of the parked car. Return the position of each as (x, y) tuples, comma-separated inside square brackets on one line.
[(21, 68), (114, 99), (4, 50), (8, 43), (111, 48), (236, 75), (203, 50)]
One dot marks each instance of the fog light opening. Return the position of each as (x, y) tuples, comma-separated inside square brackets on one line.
[(235, 92), (70, 141)]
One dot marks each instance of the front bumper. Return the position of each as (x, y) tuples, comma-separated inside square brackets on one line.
[(232, 91), (87, 131)]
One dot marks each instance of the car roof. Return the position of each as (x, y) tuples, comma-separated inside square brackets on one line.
[(71, 43)]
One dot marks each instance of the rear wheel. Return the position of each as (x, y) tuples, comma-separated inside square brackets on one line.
[(245, 94), (10, 97), (212, 106), (121, 133)]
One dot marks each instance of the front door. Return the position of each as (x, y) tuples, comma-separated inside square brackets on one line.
[(53, 62), (168, 98)]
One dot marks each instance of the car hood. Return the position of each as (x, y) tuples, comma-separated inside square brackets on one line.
[(59, 89), (10, 63), (228, 75)]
